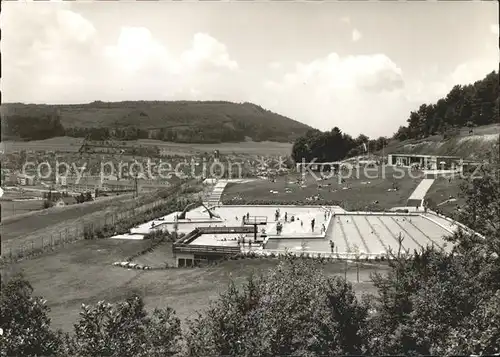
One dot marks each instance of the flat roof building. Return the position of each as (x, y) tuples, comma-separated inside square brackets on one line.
[(429, 162)]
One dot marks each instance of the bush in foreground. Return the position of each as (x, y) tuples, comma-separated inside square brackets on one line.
[(295, 310), (25, 323), (125, 329)]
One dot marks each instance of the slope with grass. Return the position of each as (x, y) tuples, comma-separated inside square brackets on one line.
[(370, 190), (468, 146), (83, 273)]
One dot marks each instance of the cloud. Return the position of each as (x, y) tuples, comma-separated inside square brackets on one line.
[(56, 55), (356, 35), (362, 94), (470, 72), (50, 46), (345, 20), (207, 51), (55, 49), (370, 72), (275, 65), (494, 29), (327, 91), (136, 49)]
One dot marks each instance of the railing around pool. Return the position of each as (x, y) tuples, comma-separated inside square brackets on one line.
[(315, 254), (206, 249)]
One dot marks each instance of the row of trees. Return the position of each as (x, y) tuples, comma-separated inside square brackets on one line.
[(200, 133), (465, 106), (435, 303), (38, 127), (50, 198), (333, 146)]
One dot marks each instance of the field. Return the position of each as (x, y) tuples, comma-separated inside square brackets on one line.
[(441, 191), (363, 191), (68, 144), (12, 208), (82, 273), (19, 230)]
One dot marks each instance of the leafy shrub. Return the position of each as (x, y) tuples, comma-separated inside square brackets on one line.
[(294, 310), (25, 322), (125, 329)]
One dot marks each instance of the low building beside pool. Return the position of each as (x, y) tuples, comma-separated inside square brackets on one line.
[(426, 162)]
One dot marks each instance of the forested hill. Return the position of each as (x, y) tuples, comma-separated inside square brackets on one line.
[(179, 121), (465, 106)]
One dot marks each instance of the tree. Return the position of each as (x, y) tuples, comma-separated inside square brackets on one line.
[(425, 300), (25, 322), (464, 106), (327, 146), (481, 211), (446, 303), (80, 198), (125, 329), (295, 310), (480, 332)]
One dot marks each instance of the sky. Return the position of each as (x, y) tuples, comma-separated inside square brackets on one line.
[(361, 66)]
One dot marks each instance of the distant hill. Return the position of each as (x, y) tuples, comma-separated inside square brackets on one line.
[(179, 121)]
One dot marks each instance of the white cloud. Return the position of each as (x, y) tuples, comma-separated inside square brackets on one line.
[(467, 73), (56, 56), (367, 93), (207, 51), (494, 29), (275, 65), (356, 35), (345, 20), (136, 49), (328, 91)]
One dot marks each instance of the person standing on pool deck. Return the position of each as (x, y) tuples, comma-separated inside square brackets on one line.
[(312, 224), (286, 216)]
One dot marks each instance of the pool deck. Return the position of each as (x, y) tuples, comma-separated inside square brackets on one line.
[(368, 233)]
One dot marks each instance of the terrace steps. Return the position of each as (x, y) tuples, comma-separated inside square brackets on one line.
[(215, 196), (418, 195)]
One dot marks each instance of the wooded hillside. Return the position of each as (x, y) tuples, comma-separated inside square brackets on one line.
[(182, 121)]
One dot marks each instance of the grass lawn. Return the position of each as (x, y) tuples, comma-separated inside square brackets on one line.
[(362, 193), (68, 144), (33, 227), (12, 208), (82, 273), (441, 190)]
